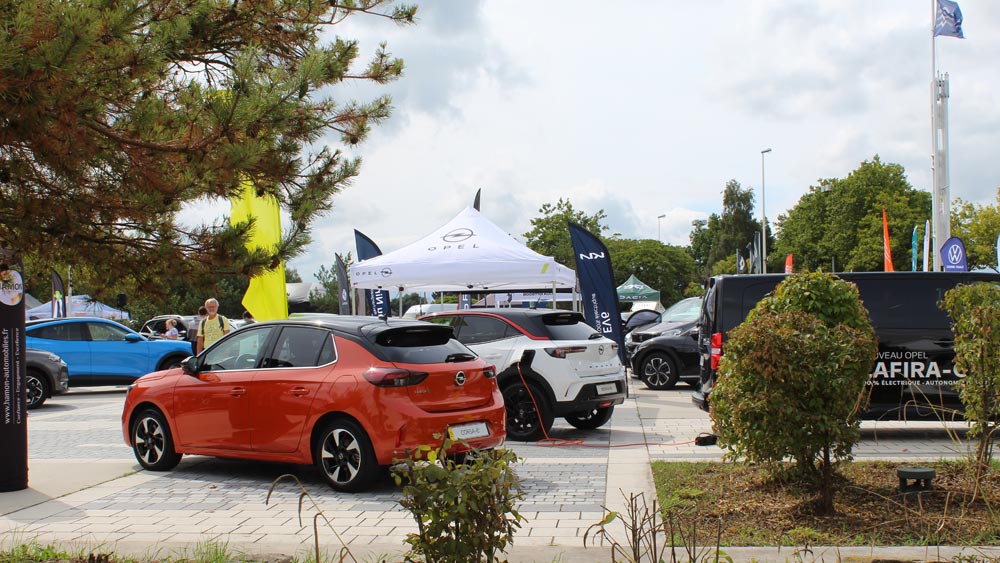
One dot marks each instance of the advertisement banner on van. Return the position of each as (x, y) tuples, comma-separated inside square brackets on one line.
[(597, 287), (953, 256)]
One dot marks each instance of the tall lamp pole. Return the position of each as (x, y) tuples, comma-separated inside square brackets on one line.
[(763, 216), (658, 217)]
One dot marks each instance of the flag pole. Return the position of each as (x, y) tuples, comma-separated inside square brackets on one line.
[(935, 220)]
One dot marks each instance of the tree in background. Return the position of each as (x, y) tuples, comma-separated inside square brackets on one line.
[(663, 267), (837, 225), (116, 115), (549, 234), (978, 226), (718, 238)]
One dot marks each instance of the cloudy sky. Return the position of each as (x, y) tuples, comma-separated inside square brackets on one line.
[(647, 108)]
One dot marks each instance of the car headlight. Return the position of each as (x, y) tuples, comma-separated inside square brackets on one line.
[(53, 357)]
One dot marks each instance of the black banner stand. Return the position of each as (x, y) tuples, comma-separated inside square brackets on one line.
[(13, 408)]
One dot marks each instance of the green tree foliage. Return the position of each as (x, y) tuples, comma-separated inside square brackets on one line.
[(792, 380), (718, 238), (666, 268), (116, 114), (549, 234), (838, 223), (975, 314), (978, 226)]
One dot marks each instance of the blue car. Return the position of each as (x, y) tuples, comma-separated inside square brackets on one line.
[(102, 352)]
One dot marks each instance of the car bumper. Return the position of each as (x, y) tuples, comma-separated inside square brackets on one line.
[(62, 381), (590, 396)]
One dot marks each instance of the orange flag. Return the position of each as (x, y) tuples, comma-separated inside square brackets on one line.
[(788, 264), (886, 252)]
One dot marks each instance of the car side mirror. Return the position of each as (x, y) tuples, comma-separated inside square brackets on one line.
[(190, 365), (133, 337)]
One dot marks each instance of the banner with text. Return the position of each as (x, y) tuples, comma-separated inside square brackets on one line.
[(377, 299), (13, 408), (597, 287)]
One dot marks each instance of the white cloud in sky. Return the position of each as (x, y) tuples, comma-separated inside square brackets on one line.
[(643, 108)]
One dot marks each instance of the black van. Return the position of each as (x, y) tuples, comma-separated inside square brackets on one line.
[(913, 376)]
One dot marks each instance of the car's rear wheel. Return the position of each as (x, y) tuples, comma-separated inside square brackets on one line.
[(659, 371), (591, 419), (152, 442), (345, 457), (529, 417), (37, 388)]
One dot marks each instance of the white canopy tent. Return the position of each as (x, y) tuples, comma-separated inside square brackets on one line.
[(467, 253)]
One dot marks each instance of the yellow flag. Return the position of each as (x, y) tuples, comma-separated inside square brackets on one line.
[(266, 298)]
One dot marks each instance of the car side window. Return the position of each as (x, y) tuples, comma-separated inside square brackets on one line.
[(101, 332), (299, 347), (62, 331), (475, 329), (242, 350)]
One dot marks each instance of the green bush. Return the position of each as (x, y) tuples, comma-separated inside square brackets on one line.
[(464, 511), (975, 317), (792, 379)]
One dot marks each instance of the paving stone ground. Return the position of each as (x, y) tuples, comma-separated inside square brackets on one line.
[(86, 488)]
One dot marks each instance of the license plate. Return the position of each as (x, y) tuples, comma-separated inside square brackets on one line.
[(469, 431), (606, 388)]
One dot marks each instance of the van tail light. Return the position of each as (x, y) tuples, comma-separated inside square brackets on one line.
[(490, 372), (562, 351), (393, 377), (716, 350)]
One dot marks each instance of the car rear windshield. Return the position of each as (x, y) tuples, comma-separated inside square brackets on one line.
[(567, 326), (429, 344)]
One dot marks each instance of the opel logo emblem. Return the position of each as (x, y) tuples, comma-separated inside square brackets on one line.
[(955, 254), (600, 350), (386, 272), (458, 235), (460, 378)]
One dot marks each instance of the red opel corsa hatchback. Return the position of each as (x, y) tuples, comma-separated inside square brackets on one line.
[(348, 394)]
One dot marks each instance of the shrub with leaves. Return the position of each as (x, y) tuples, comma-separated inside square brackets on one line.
[(792, 380), (975, 318), (464, 511)]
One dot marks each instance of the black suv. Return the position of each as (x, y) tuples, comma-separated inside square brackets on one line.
[(664, 353), (913, 375)]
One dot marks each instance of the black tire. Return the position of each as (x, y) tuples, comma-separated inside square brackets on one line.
[(171, 362), (344, 456), (524, 422), (591, 419), (152, 442), (37, 387), (658, 371)]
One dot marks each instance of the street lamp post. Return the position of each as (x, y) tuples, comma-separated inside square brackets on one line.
[(763, 216), (658, 217)]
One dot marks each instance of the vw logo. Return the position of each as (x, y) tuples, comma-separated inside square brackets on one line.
[(458, 235), (460, 378), (600, 350), (386, 272), (955, 254)]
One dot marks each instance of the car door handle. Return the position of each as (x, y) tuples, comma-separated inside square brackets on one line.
[(238, 391), (299, 391)]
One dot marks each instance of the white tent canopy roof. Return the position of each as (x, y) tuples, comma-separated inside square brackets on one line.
[(468, 252)]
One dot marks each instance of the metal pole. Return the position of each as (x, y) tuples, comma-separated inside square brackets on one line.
[(658, 217), (763, 217)]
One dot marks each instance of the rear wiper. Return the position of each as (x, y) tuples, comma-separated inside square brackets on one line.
[(595, 336), (459, 357)]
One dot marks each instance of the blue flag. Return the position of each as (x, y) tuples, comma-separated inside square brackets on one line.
[(597, 287), (378, 299), (953, 256), (948, 21)]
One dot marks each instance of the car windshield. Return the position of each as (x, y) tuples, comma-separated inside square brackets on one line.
[(685, 310)]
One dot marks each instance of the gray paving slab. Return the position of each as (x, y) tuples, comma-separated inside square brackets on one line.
[(87, 490)]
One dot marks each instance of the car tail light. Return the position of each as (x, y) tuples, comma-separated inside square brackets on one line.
[(490, 372), (716, 349), (393, 377), (562, 351)]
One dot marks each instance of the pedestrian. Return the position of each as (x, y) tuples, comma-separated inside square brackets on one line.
[(248, 318), (171, 333), (212, 327)]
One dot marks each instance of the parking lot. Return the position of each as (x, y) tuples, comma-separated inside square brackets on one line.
[(85, 486)]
